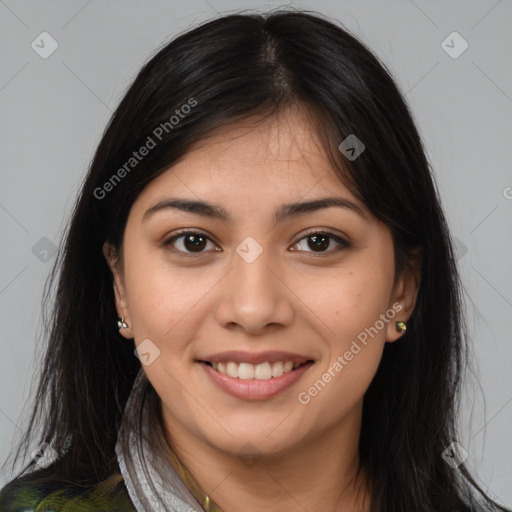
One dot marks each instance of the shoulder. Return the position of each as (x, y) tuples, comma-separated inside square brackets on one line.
[(31, 494)]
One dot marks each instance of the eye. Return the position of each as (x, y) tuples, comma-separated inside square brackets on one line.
[(194, 242), (318, 241)]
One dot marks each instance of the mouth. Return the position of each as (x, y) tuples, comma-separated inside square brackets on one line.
[(259, 381), (263, 371)]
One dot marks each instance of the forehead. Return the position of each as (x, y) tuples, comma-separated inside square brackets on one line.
[(280, 154), (253, 163), (287, 137)]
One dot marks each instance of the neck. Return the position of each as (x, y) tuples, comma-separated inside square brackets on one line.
[(318, 473)]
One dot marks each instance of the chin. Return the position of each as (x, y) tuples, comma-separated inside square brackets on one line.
[(254, 442)]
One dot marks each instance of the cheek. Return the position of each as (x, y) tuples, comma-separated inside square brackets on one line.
[(161, 296), (349, 299), (352, 309)]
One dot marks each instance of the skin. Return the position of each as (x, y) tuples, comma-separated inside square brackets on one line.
[(288, 299)]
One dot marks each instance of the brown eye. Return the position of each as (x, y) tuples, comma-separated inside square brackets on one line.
[(188, 242), (318, 242), (194, 242)]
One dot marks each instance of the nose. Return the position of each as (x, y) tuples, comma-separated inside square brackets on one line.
[(254, 296)]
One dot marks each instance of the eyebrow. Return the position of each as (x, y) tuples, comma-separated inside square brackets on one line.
[(284, 212)]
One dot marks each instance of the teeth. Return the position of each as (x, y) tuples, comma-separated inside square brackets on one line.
[(245, 371), (263, 371), (277, 369), (232, 369)]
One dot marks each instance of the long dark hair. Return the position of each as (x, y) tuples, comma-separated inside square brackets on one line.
[(220, 72)]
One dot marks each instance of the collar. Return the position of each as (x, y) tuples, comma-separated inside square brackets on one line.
[(154, 476)]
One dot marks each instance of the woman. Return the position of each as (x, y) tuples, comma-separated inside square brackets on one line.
[(259, 226)]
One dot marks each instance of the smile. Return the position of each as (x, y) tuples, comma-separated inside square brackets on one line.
[(263, 371), (255, 382)]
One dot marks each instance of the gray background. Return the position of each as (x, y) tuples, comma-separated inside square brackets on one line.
[(54, 110)]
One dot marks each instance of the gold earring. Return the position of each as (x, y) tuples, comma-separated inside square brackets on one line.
[(401, 326), (121, 324)]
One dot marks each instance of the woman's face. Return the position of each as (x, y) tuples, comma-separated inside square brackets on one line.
[(261, 285)]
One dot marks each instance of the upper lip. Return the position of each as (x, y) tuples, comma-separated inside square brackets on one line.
[(241, 356)]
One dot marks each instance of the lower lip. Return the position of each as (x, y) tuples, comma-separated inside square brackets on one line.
[(253, 389)]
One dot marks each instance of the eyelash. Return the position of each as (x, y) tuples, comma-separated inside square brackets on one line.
[(343, 244)]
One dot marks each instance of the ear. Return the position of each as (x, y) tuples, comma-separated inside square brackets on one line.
[(119, 289), (404, 295)]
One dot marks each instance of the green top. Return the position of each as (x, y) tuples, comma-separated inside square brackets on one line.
[(30, 494), (27, 496), (107, 496)]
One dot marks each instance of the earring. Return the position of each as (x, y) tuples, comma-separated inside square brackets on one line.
[(401, 326), (121, 324)]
